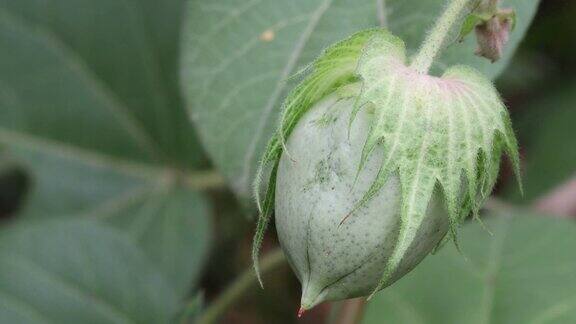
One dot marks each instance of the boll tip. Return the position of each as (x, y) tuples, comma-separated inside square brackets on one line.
[(301, 311)]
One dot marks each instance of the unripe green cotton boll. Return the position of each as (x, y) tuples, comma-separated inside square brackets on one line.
[(316, 187), (374, 162)]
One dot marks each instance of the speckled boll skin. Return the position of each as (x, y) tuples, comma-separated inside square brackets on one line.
[(316, 189)]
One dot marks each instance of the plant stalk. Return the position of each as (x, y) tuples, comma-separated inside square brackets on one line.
[(437, 37), (203, 180), (239, 287)]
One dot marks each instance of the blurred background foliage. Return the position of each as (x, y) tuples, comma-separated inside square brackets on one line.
[(112, 212)]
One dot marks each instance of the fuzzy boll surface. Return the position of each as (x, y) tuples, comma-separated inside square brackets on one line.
[(316, 189)]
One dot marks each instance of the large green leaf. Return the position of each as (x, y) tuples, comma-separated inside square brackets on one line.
[(106, 67), (78, 272), (524, 273), (90, 108), (167, 226), (238, 56), (169, 220)]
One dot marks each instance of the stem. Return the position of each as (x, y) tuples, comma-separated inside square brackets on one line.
[(240, 285), (381, 13), (204, 180), (437, 37)]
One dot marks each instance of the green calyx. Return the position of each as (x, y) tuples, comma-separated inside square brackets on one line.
[(447, 132)]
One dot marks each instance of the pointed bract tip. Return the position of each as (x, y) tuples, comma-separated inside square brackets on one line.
[(260, 282), (257, 273), (301, 311)]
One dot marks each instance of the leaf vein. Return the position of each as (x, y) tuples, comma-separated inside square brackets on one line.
[(280, 85)]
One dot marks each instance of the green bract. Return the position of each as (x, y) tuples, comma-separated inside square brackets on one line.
[(411, 137)]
